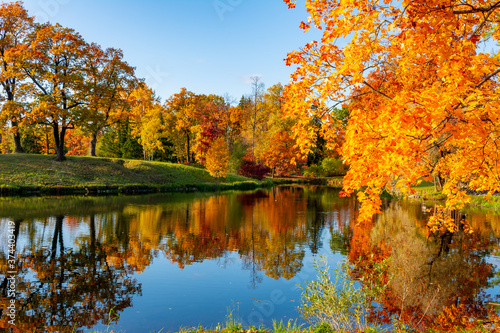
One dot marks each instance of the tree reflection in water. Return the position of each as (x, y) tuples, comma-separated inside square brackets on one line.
[(434, 281), (79, 263), (72, 288)]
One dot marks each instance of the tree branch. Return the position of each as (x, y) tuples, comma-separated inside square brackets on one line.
[(473, 9), (377, 91)]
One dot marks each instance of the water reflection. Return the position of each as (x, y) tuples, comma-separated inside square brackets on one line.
[(434, 281), (79, 258), (60, 287)]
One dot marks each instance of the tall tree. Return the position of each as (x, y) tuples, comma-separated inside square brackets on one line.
[(147, 119), (421, 93), (15, 25), (186, 112), (255, 112), (281, 156), (110, 80), (217, 158), (182, 112), (54, 62)]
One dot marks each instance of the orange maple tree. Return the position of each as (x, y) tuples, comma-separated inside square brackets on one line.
[(53, 60), (281, 155), (183, 111), (77, 143), (420, 91), (15, 25)]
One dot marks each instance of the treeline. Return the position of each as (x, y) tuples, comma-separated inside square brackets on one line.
[(63, 95)]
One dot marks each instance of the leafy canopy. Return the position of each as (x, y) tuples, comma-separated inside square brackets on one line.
[(420, 90)]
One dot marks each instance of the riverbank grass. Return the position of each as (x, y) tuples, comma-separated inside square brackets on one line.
[(41, 173), (427, 190), (319, 328)]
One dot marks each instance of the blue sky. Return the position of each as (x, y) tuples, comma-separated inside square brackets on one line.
[(207, 46)]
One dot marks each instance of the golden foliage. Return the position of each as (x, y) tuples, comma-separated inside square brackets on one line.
[(420, 92), (217, 159)]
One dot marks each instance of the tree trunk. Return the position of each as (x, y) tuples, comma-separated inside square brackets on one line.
[(59, 140), (188, 152), (7, 148), (439, 181), (17, 140), (17, 135), (47, 143), (93, 144)]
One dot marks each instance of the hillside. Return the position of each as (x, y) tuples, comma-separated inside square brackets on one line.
[(41, 173)]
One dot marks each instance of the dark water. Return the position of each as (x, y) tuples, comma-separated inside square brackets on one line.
[(181, 260)]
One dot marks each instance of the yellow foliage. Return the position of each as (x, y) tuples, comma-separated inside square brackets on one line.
[(217, 159), (420, 91), (442, 221)]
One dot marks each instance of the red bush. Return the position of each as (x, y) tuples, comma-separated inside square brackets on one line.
[(253, 170)]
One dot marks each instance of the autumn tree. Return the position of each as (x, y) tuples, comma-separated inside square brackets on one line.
[(212, 125), (218, 119), (254, 116), (281, 157), (194, 121), (15, 25), (147, 119), (53, 60), (217, 158), (110, 81), (181, 108), (77, 143), (257, 88), (272, 119), (421, 93)]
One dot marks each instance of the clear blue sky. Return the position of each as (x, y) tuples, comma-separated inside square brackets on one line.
[(207, 46)]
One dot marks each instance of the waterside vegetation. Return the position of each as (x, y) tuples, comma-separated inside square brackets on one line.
[(33, 174)]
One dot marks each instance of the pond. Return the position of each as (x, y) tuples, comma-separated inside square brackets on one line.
[(161, 262)]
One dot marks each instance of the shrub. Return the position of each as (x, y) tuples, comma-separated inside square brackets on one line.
[(323, 328), (313, 170), (333, 167), (338, 303), (329, 167), (253, 170)]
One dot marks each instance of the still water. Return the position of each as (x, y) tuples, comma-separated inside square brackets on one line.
[(146, 263)]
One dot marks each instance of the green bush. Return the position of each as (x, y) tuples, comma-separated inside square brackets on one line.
[(313, 170), (322, 328), (338, 303), (239, 150), (329, 167), (333, 167)]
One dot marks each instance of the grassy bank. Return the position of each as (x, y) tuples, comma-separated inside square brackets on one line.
[(335, 182), (41, 174), (427, 191)]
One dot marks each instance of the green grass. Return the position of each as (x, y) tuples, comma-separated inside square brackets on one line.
[(493, 202), (21, 173), (426, 190), (292, 327)]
